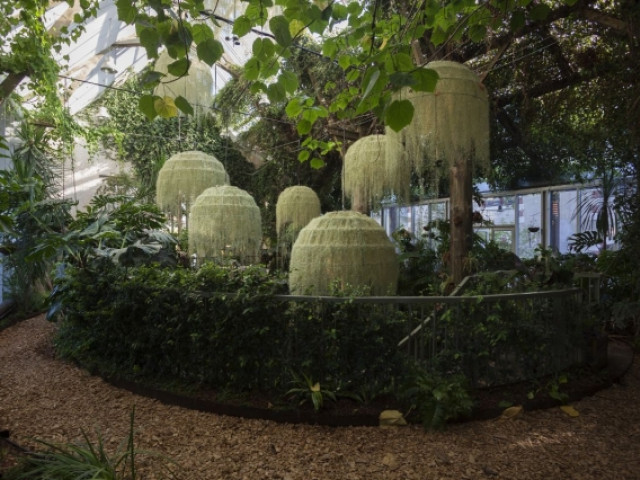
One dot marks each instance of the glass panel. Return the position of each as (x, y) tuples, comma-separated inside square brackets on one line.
[(484, 233), (389, 219), (438, 212), (529, 224), (404, 218), (590, 203), (421, 219), (567, 219), (499, 210), (504, 239)]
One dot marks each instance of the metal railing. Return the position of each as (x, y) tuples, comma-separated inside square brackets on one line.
[(492, 339)]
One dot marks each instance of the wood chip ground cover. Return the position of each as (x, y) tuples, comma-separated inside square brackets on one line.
[(44, 398)]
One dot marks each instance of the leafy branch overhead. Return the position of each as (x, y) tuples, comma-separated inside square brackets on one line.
[(380, 48)]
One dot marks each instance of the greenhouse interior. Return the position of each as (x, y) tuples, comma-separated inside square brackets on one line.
[(327, 212)]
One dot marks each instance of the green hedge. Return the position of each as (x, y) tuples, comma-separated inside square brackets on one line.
[(223, 329)]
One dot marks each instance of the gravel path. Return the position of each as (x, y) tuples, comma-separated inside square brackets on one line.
[(44, 398)]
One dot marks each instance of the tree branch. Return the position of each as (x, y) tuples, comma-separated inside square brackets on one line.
[(9, 84)]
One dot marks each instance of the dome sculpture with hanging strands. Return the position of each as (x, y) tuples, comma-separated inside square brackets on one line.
[(185, 176), (296, 206), (370, 173), (196, 86), (225, 223), (450, 131), (451, 122), (347, 248)]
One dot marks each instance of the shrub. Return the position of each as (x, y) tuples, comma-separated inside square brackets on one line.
[(221, 328)]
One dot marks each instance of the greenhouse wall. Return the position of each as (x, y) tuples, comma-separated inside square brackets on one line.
[(519, 220)]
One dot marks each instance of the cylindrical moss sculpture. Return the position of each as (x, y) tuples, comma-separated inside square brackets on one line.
[(296, 206), (225, 223), (448, 124), (185, 176), (196, 86), (370, 174), (347, 248)]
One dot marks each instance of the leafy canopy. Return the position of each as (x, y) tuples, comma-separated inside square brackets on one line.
[(377, 46)]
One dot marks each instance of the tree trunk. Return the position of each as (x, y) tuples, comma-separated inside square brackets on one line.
[(460, 214)]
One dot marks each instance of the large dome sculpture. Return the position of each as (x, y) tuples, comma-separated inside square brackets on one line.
[(343, 248), (370, 173), (296, 206), (225, 224), (449, 123), (185, 176)]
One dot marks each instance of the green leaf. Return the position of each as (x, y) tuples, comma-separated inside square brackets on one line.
[(317, 163), (477, 33), (257, 12), (399, 114), (146, 105), (126, 11), (269, 68), (374, 82), (354, 8), (179, 67), (294, 108), (279, 26), (276, 92), (403, 62), (241, 26), (310, 114), (304, 155), (540, 12), (371, 78), (263, 49), (210, 51), (352, 75), (257, 87), (151, 78), (289, 81), (425, 80), (201, 32), (329, 47), (296, 27), (344, 61), (304, 127), (339, 12), (150, 39), (165, 107), (184, 105), (438, 36), (318, 26), (252, 69), (401, 79), (517, 20)]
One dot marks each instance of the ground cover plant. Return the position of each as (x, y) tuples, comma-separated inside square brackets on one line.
[(86, 459)]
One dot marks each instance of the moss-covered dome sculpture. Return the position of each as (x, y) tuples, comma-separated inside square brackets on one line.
[(185, 176), (225, 223), (296, 206), (450, 122), (347, 248), (196, 86), (370, 174)]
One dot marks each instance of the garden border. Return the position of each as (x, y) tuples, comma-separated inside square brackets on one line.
[(619, 360)]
